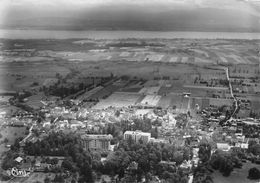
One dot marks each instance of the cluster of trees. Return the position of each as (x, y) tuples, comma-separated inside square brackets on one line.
[(56, 144), (235, 70), (251, 131), (64, 89), (68, 145), (61, 90), (225, 162), (212, 82), (148, 157), (202, 173), (254, 148), (89, 165), (8, 161), (204, 152)]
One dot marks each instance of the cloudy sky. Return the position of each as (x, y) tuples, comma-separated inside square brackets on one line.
[(131, 14)]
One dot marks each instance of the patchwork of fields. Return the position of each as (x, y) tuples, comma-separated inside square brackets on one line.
[(202, 58)]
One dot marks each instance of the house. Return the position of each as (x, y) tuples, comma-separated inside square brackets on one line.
[(18, 159)]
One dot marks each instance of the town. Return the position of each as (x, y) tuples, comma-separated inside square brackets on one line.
[(130, 111)]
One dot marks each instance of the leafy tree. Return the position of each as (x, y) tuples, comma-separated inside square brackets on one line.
[(178, 157), (204, 152), (253, 173), (226, 167)]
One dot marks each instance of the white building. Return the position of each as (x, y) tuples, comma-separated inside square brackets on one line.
[(223, 146), (137, 135), (96, 142)]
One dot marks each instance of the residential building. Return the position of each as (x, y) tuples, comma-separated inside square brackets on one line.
[(137, 136), (96, 142)]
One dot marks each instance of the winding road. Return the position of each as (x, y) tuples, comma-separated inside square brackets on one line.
[(231, 92)]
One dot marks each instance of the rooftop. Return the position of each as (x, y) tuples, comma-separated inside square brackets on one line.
[(88, 136)]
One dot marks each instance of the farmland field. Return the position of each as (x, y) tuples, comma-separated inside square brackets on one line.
[(256, 105), (150, 90), (165, 102), (220, 101), (105, 92), (118, 99), (132, 89), (151, 100)]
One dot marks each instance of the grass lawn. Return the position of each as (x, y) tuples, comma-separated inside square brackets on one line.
[(237, 176)]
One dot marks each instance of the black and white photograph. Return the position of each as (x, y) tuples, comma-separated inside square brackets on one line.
[(129, 91)]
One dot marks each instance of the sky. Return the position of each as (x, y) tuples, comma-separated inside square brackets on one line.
[(33, 12)]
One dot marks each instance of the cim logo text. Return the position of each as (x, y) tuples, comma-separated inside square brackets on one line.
[(15, 172)]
